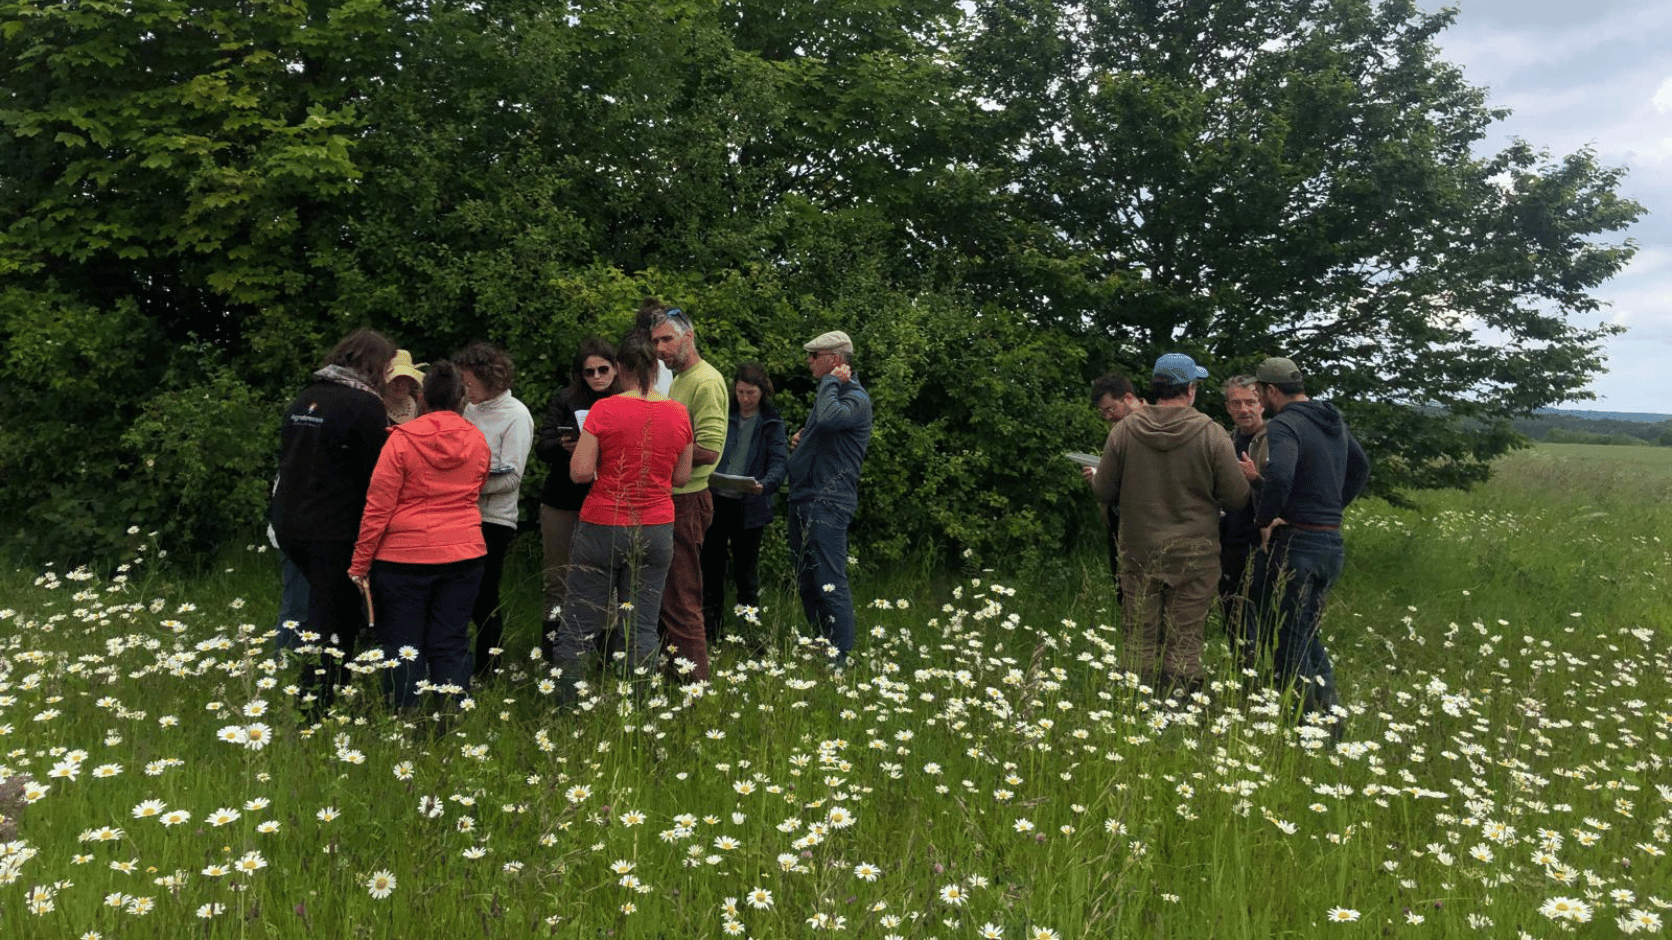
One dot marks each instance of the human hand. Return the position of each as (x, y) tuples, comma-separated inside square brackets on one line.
[(1250, 472), (795, 440), (1088, 473), (756, 490), (843, 373), (569, 444), (1265, 533)]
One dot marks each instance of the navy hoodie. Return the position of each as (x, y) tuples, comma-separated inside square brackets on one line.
[(1314, 466)]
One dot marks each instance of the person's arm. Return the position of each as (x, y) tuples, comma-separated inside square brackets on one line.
[(548, 442), (841, 405), (1105, 485), (1230, 487), (777, 455), (1358, 472), (583, 463), (708, 423), (1282, 451), (682, 466), (371, 426), (514, 444), (381, 496)]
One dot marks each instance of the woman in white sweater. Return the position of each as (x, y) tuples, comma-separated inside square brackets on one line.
[(509, 428)]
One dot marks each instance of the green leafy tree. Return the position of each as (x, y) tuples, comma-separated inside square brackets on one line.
[(1246, 179), (167, 175), (1000, 200)]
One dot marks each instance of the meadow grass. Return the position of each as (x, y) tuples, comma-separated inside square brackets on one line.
[(984, 769)]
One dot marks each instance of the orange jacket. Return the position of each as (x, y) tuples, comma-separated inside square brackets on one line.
[(421, 508)]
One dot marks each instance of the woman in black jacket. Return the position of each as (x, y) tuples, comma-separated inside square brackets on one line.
[(328, 446), (755, 447), (594, 375)]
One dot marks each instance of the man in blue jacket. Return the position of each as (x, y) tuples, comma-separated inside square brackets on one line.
[(1313, 468), (826, 455)]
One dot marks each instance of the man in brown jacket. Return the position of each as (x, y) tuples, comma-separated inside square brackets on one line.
[(1171, 470)]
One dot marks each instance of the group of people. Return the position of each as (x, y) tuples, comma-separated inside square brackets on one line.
[(397, 500), (1251, 517), (398, 491)]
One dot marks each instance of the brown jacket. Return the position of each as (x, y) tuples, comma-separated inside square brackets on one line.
[(1171, 470)]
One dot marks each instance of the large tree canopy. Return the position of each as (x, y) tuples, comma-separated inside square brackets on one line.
[(1000, 200)]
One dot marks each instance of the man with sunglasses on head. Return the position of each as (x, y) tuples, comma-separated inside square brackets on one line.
[(702, 390), (825, 459), (1115, 398)]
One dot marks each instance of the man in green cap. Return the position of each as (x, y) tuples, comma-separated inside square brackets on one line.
[(1313, 469)]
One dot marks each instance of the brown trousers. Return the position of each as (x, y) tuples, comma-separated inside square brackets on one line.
[(683, 634), (1165, 609)]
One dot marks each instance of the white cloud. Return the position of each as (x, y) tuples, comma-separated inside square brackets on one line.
[(1490, 49), (1663, 96)]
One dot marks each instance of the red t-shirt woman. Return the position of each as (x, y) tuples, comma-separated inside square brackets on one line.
[(634, 449)]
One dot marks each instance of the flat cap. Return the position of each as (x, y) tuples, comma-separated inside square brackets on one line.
[(833, 341)]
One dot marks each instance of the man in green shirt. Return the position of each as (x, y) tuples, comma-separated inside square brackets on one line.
[(702, 390)]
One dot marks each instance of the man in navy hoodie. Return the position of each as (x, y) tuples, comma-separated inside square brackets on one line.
[(1313, 469)]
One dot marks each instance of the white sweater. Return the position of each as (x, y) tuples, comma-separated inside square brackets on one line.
[(509, 428)]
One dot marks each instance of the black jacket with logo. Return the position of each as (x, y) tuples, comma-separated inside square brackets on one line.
[(328, 448)]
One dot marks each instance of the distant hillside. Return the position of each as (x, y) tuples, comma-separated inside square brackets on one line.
[(1597, 427), (1641, 417)]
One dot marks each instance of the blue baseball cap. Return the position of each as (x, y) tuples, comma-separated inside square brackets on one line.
[(1179, 369)]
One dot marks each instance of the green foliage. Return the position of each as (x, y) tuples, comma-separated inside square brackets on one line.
[(170, 171), (1565, 436), (1557, 427), (191, 444), (1248, 179), (70, 482), (1000, 200)]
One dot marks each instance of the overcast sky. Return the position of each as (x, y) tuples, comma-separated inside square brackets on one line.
[(1593, 73)]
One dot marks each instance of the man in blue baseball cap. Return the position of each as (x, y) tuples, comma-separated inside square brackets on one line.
[(1171, 470)]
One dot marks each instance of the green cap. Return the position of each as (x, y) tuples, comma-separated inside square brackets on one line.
[(1277, 371)]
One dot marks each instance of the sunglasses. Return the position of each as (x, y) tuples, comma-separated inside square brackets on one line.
[(592, 371), (676, 313)]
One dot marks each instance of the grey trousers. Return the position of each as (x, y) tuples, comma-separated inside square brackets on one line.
[(634, 561)]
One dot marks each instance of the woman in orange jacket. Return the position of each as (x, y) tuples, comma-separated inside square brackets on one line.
[(421, 542)]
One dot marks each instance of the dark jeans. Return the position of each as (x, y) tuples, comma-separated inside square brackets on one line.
[(682, 629), (335, 614), (726, 537), (1235, 586), (293, 606), (423, 624), (1291, 580), (1111, 532), (819, 550), (490, 625), (634, 561)]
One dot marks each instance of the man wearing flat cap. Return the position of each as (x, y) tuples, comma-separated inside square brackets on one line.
[(1313, 468), (1171, 470), (824, 488)]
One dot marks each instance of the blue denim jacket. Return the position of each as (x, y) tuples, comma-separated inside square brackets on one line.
[(825, 464)]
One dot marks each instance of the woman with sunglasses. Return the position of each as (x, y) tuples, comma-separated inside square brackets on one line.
[(593, 376)]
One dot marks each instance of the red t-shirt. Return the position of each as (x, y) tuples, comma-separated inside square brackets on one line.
[(639, 442)]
